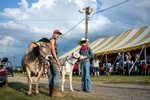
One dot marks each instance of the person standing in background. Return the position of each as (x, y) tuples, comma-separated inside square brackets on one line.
[(120, 66), (128, 61), (96, 62), (120, 58), (75, 69)]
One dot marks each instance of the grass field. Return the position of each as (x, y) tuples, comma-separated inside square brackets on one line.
[(17, 90), (139, 79)]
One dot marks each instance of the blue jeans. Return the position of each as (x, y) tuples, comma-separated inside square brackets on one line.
[(128, 66), (86, 81), (54, 73)]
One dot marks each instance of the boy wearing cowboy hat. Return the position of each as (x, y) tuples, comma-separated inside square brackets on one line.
[(85, 64)]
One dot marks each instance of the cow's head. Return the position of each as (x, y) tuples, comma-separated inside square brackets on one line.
[(76, 55), (42, 48)]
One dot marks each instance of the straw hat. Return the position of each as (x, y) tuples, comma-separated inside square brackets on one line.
[(83, 39)]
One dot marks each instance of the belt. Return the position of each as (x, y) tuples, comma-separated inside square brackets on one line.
[(85, 60)]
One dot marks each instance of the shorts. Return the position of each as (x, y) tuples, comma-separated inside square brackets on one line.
[(96, 69)]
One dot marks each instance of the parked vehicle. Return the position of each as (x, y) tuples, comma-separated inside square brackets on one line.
[(9, 68), (8, 65), (3, 76)]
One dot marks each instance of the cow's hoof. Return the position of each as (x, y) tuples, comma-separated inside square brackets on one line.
[(37, 93), (71, 90), (29, 94)]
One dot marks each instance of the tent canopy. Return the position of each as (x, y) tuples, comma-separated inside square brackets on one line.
[(130, 40)]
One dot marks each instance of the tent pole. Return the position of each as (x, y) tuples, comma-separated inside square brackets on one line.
[(145, 55), (136, 60), (123, 57), (102, 57), (114, 64), (106, 60)]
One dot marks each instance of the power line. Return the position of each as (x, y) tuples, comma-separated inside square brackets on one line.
[(110, 7), (72, 27), (40, 19)]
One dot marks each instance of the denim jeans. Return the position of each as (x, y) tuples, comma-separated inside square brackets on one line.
[(54, 73), (86, 81), (128, 66)]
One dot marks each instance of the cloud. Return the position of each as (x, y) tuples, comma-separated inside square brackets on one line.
[(12, 25), (23, 4), (80, 3), (31, 21), (98, 21), (43, 4), (7, 40)]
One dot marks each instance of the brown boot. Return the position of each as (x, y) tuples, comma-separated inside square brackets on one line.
[(50, 90), (56, 93)]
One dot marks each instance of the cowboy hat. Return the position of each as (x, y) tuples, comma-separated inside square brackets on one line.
[(83, 39)]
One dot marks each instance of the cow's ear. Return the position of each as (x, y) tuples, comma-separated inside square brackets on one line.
[(33, 44)]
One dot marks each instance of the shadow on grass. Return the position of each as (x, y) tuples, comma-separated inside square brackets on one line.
[(23, 87)]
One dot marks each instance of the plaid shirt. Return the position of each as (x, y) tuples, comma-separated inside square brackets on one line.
[(87, 52)]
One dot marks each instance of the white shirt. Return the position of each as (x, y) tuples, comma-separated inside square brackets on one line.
[(127, 59), (96, 63)]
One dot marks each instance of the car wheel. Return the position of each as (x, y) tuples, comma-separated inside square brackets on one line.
[(1, 85), (5, 83)]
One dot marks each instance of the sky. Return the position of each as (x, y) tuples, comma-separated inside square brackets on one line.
[(26, 21)]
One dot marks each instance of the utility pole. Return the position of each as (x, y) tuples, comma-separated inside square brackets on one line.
[(88, 11), (13, 55), (86, 22)]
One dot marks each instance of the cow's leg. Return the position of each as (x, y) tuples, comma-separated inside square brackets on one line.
[(37, 80), (36, 68), (36, 72), (29, 81), (70, 79), (62, 81)]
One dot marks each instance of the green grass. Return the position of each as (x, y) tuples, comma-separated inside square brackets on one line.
[(139, 79), (20, 74), (17, 91)]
